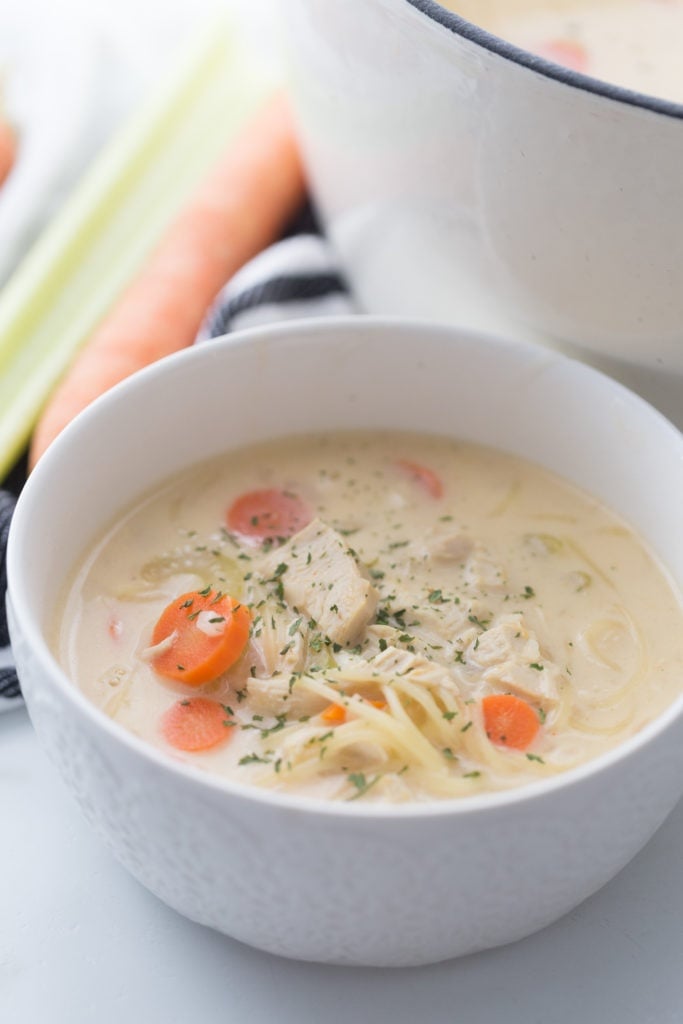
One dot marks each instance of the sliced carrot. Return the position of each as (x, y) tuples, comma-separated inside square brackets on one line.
[(196, 724), (202, 634), (566, 52), (334, 714), (115, 627), (8, 148), (263, 515), (509, 721), (248, 197), (423, 476)]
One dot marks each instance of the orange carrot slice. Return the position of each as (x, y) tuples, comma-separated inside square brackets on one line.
[(334, 714), (242, 206), (262, 515), (509, 721), (566, 52), (201, 635), (423, 476), (197, 724), (8, 148)]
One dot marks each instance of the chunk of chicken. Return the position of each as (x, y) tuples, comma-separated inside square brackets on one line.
[(510, 657), (274, 646), (456, 548), (280, 694), (400, 662), (450, 546), (322, 580)]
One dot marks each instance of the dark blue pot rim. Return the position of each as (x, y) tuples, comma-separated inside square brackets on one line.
[(466, 29)]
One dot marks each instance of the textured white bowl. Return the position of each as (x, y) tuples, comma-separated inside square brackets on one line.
[(347, 883), (463, 179)]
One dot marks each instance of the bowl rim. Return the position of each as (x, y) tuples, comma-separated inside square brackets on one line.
[(587, 83), (52, 674)]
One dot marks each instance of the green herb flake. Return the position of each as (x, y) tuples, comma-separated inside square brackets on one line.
[(535, 757), (449, 715), (253, 759), (535, 665), (481, 623), (362, 785)]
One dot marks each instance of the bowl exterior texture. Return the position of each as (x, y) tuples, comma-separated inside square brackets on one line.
[(343, 884), (350, 890)]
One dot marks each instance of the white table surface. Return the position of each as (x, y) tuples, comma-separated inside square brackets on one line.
[(82, 943)]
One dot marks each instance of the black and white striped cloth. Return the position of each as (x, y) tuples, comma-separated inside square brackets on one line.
[(298, 277)]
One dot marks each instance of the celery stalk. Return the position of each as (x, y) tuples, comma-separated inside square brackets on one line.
[(117, 213)]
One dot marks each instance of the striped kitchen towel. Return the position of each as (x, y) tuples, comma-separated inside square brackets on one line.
[(298, 277)]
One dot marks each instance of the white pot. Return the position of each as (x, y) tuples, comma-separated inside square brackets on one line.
[(344, 883), (463, 179)]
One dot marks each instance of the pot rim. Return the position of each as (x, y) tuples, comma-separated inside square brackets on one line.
[(473, 33)]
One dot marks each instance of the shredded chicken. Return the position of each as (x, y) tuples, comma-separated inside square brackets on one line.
[(511, 659), (322, 580)]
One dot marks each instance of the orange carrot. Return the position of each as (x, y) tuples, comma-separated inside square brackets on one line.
[(261, 515), (202, 634), (566, 52), (239, 209), (334, 714), (509, 721), (423, 476), (8, 148), (196, 724)]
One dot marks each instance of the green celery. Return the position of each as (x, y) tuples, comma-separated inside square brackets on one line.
[(101, 237)]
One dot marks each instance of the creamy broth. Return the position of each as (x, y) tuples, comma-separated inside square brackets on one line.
[(432, 576), (632, 43)]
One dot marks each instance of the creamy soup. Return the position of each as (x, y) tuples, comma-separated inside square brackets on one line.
[(632, 43), (374, 616)]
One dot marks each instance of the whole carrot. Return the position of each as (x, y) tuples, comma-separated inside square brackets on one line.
[(240, 208)]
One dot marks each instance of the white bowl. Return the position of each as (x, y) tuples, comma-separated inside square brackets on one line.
[(463, 179), (343, 883)]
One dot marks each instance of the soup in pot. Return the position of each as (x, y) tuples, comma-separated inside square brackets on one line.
[(631, 43), (375, 616)]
